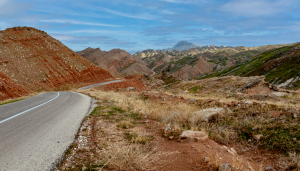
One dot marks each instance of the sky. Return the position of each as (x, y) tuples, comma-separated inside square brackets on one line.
[(136, 25)]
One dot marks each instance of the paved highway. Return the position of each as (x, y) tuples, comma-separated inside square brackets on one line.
[(35, 132), (115, 81)]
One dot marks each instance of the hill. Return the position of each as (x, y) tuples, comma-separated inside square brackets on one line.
[(280, 66), (33, 59), (185, 64), (116, 61)]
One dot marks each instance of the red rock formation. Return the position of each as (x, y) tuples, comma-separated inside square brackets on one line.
[(189, 72), (131, 81), (116, 61), (37, 61), (10, 89)]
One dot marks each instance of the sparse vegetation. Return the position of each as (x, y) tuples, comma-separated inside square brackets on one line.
[(195, 89)]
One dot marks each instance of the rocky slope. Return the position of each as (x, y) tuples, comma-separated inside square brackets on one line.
[(280, 66), (191, 71), (116, 61), (35, 60), (184, 64), (9, 89)]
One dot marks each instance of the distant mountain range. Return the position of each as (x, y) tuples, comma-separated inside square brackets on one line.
[(182, 45)]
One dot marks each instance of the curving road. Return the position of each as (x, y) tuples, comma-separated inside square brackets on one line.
[(115, 81), (35, 132)]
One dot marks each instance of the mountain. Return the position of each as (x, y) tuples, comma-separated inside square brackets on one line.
[(280, 66), (182, 45), (116, 61), (188, 64), (31, 58)]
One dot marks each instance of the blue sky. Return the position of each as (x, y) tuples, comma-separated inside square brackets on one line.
[(135, 25)]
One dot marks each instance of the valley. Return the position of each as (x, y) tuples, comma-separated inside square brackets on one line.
[(181, 108)]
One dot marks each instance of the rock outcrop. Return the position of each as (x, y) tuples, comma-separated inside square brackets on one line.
[(189, 72), (35, 60), (9, 89), (116, 61)]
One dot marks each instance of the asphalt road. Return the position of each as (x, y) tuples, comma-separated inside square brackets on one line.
[(115, 81), (35, 132)]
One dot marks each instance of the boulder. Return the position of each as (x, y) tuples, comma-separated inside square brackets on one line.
[(275, 113), (225, 167), (191, 136), (207, 114), (129, 89), (257, 137), (280, 94)]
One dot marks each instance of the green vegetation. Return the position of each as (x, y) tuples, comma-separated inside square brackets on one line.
[(284, 66), (128, 65), (195, 89), (11, 101), (171, 80)]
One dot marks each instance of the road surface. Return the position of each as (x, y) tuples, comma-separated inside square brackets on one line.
[(35, 132), (115, 81), (153, 72)]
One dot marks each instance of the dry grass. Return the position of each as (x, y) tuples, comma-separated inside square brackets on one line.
[(175, 113), (139, 137), (133, 157), (223, 97), (125, 124)]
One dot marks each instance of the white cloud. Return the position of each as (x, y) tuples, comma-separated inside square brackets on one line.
[(257, 7), (110, 32), (79, 23), (144, 16)]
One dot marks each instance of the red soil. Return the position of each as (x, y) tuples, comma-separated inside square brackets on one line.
[(37, 61), (9, 89), (131, 81)]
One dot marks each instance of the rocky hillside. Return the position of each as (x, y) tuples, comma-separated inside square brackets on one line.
[(280, 66), (33, 59), (116, 61), (10, 89), (185, 64)]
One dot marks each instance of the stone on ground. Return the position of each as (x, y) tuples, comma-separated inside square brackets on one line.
[(207, 114), (191, 136)]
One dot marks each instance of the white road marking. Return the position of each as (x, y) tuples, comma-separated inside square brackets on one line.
[(29, 109)]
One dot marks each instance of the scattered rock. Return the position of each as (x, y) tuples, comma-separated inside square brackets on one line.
[(171, 137), (269, 169), (130, 89), (191, 136), (276, 114), (280, 94), (295, 116), (206, 160), (275, 88), (207, 114), (225, 167), (84, 168), (257, 137)]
